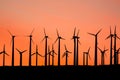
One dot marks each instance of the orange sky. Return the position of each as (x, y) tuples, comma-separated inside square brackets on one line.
[(21, 16)]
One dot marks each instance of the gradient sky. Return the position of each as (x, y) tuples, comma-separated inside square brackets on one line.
[(21, 16)]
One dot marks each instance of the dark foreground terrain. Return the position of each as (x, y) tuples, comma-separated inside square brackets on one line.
[(63, 72)]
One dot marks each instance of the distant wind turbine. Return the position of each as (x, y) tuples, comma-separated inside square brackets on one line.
[(4, 53), (21, 53), (37, 54), (102, 55), (96, 43), (66, 55), (13, 41), (115, 37), (58, 39), (87, 55), (110, 36), (46, 44)]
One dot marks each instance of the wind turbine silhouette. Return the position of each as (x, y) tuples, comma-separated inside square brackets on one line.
[(21, 53), (45, 38), (30, 46), (75, 53), (115, 37), (96, 43), (102, 55), (13, 40), (66, 55), (4, 53), (52, 53), (87, 55), (77, 37), (110, 36), (58, 39), (37, 54)]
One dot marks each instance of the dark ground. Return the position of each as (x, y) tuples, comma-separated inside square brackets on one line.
[(63, 73)]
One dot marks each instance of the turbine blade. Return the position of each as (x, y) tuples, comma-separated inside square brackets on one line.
[(62, 38), (69, 52), (55, 40), (79, 42), (57, 33), (55, 53), (91, 34), (64, 55), (24, 51), (106, 50), (32, 31), (99, 49), (7, 54), (115, 30), (18, 50), (117, 37), (44, 32), (89, 56), (10, 33), (4, 47), (108, 37), (98, 31), (74, 31), (43, 39), (33, 41), (78, 32), (89, 50), (1, 52), (33, 54), (40, 55), (65, 47)]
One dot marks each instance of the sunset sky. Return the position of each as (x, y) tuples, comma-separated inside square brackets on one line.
[(21, 16)]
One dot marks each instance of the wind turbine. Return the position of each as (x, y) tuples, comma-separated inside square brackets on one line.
[(30, 46), (102, 54), (4, 53), (46, 41), (87, 55), (77, 37), (115, 37), (37, 54), (52, 53), (66, 55), (75, 53), (13, 40), (21, 53), (110, 36), (96, 43), (58, 39)]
